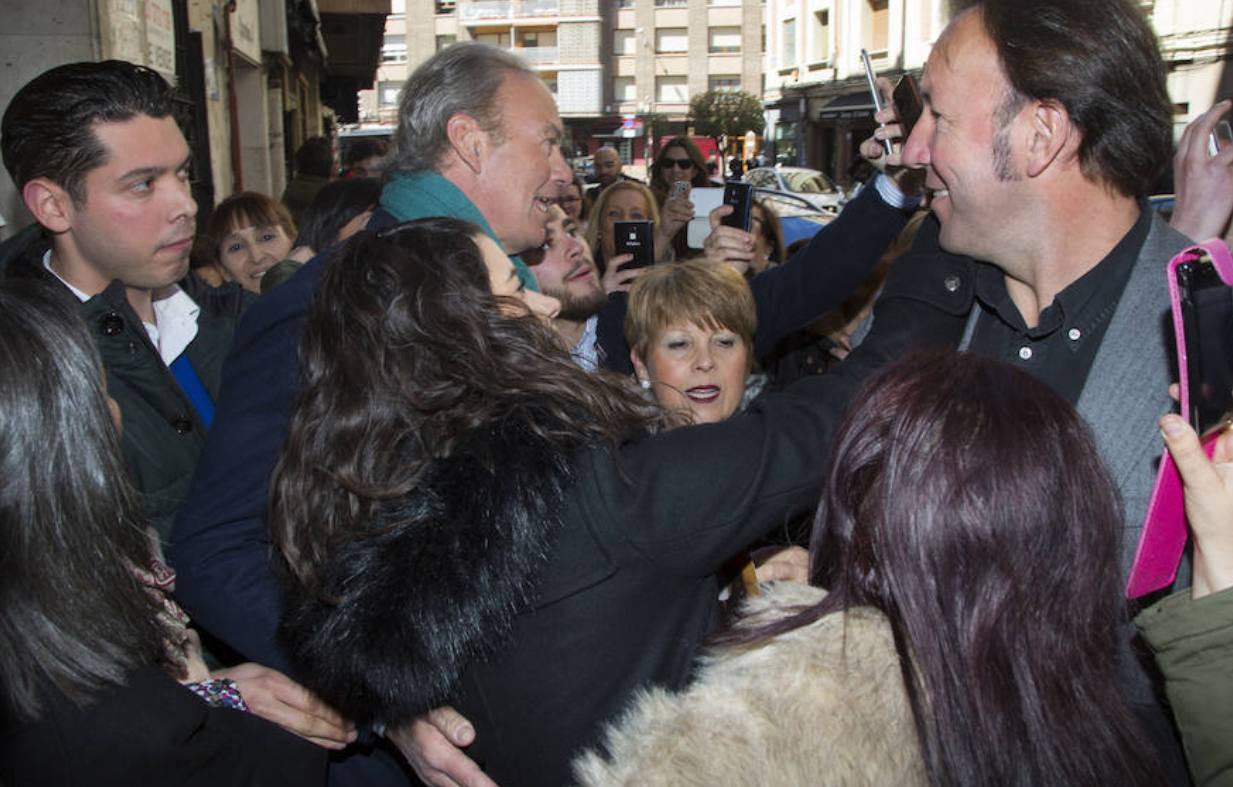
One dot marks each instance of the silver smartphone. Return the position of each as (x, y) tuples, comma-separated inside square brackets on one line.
[(872, 79), (1220, 138)]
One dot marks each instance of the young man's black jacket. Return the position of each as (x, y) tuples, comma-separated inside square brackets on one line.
[(162, 435)]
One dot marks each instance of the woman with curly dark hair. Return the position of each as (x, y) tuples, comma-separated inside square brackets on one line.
[(468, 517)]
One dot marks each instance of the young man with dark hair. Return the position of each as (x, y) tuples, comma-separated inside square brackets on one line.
[(104, 169), (102, 165)]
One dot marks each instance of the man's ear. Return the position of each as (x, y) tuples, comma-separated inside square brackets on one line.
[(50, 204), (1052, 136), (467, 139)]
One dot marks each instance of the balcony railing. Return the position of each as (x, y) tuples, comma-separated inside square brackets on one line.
[(474, 10), (538, 55)]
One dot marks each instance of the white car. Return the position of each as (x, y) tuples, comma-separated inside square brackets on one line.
[(808, 184)]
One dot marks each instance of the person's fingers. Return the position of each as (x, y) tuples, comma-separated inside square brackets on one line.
[(436, 760), (1192, 464), (273, 696), (452, 724), (790, 564), (1223, 452), (887, 89), (716, 215)]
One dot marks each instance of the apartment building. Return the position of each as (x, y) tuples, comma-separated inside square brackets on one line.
[(560, 39), (817, 100), (818, 106), (612, 64)]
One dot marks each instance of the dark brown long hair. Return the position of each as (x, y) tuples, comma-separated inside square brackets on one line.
[(967, 502), (407, 357), (73, 618)]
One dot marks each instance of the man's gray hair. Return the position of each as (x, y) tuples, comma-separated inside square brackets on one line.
[(464, 77)]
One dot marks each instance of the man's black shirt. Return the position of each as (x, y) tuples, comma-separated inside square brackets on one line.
[(1060, 350)]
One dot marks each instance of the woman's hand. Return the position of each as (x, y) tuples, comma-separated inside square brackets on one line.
[(1208, 487), (275, 697), (787, 564), (728, 245), (675, 214), (432, 745), (1202, 182)]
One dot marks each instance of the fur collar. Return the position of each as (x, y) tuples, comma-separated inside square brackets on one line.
[(823, 704), (436, 581)]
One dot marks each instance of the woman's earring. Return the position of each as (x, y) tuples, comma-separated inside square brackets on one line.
[(645, 384)]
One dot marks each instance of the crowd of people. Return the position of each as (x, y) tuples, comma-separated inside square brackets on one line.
[(406, 476)]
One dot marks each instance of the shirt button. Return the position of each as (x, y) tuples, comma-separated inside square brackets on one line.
[(951, 283), (1074, 334), (1025, 353), (182, 425), (111, 324)]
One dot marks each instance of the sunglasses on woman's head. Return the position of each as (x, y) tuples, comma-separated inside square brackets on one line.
[(679, 163)]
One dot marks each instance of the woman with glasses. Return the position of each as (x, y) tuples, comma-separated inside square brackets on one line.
[(678, 161)]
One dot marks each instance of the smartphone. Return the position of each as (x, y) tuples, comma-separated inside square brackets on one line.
[(1201, 294), (1206, 307), (635, 237), (679, 188), (1220, 138), (740, 196), (908, 104), (872, 79)]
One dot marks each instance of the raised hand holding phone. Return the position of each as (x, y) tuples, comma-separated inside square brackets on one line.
[(1203, 180)]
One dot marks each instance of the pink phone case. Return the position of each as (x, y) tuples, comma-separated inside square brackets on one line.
[(1164, 535)]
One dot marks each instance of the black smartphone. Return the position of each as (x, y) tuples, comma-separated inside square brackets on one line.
[(1207, 322), (740, 196), (634, 237), (908, 104)]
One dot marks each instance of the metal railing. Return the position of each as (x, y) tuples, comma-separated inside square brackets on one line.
[(470, 10), (537, 55)]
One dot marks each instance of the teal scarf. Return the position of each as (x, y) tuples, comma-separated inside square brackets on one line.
[(420, 195)]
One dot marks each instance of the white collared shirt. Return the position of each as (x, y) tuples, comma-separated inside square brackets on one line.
[(586, 351), (175, 317)]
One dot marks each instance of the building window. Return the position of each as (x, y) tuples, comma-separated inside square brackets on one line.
[(445, 40), (723, 39), (671, 39), (623, 42), (444, 7), (624, 91), (787, 45), (876, 19), (820, 51), (500, 40), (622, 3), (388, 93), (727, 84), (394, 49), (672, 90), (722, 2), (671, 3)]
